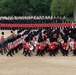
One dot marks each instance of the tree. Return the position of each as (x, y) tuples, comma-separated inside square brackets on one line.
[(40, 7), (66, 7), (14, 7), (36, 7)]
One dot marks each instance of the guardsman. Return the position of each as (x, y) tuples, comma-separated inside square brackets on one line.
[(1, 50), (65, 48), (52, 48), (74, 50), (26, 47), (45, 46), (40, 49), (1, 39), (9, 47), (64, 19), (12, 34), (40, 45), (2, 36)]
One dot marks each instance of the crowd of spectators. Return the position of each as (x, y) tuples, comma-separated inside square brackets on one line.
[(32, 19)]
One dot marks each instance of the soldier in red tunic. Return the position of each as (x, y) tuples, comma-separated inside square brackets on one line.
[(1, 50), (2, 37), (45, 45), (44, 37), (9, 47), (24, 48), (74, 50), (12, 34), (27, 50), (52, 48), (65, 48), (1, 46), (40, 49)]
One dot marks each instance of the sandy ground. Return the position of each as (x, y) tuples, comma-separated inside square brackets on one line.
[(35, 65)]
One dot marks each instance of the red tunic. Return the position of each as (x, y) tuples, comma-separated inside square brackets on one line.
[(74, 45), (2, 38), (15, 44), (52, 46), (55, 44), (26, 47), (65, 46), (40, 46)]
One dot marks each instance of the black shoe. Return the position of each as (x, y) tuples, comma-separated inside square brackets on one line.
[(53, 55), (24, 55), (2, 53), (41, 55), (36, 55), (7, 55), (11, 55), (63, 55), (29, 55), (50, 55)]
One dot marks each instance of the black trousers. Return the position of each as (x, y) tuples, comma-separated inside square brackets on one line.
[(46, 49), (65, 52), (1, 52), (20, 46), (16, 50), (5, 50), (9, 53), (12, 51), (41, 52), (38, 51), (74, 52), (34, 49), (24, 51), (52, 52), (27, 53)]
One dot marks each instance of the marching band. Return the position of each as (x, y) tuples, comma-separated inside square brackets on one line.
[(40, 41)]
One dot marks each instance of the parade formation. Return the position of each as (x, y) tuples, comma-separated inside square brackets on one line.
[(40, 41), (37, 37)]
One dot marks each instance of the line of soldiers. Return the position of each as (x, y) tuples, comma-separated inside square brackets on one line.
[(52, 41), (11, 44), (41, 41), (33, 19)]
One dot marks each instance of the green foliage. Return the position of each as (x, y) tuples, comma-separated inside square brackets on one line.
[(66, 7), (71, 19), (35, 7), (14, 7), (40, 7), (24, 7)]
